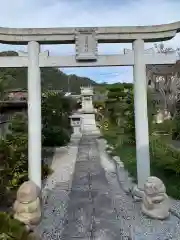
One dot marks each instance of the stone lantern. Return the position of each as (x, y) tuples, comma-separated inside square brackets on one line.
[(76, 123)]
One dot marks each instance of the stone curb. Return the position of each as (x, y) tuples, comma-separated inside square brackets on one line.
[(129, 186), (123, 176), (175, 207), (125, 181), (175, 212)]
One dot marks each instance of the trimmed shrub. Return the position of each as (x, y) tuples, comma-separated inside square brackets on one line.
[(12, 229)]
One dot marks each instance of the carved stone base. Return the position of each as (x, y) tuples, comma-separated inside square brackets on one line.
[(159, 214), (33, 236)]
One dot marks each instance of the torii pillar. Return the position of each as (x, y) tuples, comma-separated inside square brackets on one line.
[(141, 58), (34, 114), (141, 115)]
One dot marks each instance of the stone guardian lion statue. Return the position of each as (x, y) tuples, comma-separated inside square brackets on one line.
[(155, 200)]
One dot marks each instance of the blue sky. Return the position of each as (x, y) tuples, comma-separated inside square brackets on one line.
[(79, 13)]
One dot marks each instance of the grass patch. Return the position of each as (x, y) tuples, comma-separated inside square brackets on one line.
[(171, 181), (163, 162), (127, 154)]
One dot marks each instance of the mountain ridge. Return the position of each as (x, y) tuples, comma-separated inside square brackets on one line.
[(51, 78)]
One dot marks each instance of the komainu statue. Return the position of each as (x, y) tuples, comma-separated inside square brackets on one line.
[(155, 200), (27, 206)]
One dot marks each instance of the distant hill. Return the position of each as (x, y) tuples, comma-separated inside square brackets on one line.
[(51, 78)]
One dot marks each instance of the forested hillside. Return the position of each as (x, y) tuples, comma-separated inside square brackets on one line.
[(52, 78)]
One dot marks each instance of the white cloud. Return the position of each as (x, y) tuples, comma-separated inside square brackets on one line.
[(64, 13)]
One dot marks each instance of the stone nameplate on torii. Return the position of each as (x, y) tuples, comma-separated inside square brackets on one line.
[(86, 44)]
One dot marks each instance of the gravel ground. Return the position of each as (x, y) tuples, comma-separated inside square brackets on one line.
[(56, 191), (84, 200)]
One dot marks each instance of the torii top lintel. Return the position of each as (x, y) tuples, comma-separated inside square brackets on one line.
[(123, 34)]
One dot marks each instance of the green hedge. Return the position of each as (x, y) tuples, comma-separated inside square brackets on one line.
[(14, 160), (12, 229), (14, 148), (165, 156), (56, 109)]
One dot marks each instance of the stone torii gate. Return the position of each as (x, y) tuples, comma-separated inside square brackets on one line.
[(86, 41)]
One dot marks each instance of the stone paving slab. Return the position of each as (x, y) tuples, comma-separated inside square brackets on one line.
[(90, 201)]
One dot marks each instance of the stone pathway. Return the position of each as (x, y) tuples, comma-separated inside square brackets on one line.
[(90, 213), (84, 200)]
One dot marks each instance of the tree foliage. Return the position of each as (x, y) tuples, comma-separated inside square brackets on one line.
[(12, 229), (56, 110), (167, 80), (56, 131), (120, 109)]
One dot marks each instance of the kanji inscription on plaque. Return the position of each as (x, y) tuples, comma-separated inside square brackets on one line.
[(86, 45)]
